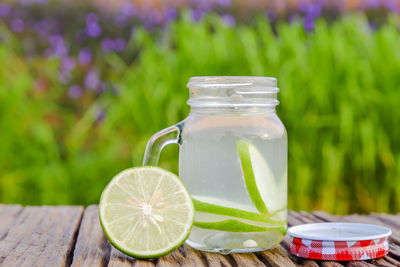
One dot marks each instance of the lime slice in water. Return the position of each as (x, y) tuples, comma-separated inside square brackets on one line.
[(232, 225), (216, 214), (213, 206), (259, 179), (146, 212)]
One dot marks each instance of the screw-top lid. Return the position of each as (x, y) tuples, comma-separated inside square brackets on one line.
[(339, 241)]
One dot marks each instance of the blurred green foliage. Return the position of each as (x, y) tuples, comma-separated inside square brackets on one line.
[(340, 92)]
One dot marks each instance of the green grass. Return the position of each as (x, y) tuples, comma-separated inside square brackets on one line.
[(340, 92)]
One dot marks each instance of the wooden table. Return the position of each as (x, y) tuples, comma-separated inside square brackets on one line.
[(65, 235)]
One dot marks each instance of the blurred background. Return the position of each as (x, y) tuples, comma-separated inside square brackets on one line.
[(84, 84)]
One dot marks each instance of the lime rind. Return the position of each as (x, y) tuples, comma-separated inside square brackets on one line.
[(249, 176), (232, 225), (259, 179), (140, 252), (232, 212)]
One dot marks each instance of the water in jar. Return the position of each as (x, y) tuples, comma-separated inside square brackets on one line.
[(211, 169)]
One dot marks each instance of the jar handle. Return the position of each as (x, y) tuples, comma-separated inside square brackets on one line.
[(156, 143)]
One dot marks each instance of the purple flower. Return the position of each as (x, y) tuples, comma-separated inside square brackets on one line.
[(93, 29), (41, 27), (107, 45), (228, 20), (204, 5), (92, 80), (4, 10), (293, 17), (224, 3), (100, 116), (312, 10), (85, 57), (121, 21), (17, 25), (58, 47), (25, 2), (155, 16), (271, 15), (372, 26), (55, 40), (309, 23), (128, 9), (119, 45), (391, 5), (67, 64), (31, 2), (371, 4), (75, 91), (170, 14), (197, 14)]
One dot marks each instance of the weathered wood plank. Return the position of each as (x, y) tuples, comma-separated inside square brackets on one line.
[(359, 264), (92, 247), (184, 256), (41, 236), (392, 221), (118, 259), (383, 262), (246, 259), (394, 251), (330, 264), (216, 259), (276, 257), (8, 214), (44, 236), (392, 260)]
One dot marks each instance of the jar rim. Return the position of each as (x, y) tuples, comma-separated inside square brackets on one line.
[(268, 83), (232, 91)]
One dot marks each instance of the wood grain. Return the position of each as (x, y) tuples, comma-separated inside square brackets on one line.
[(216, 259), (8, 214), (64, 236), (184, 256), (246, 259), (276, 257), (92, 247), (41, 236)]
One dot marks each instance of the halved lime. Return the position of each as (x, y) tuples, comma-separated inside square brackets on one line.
[(146, 212)]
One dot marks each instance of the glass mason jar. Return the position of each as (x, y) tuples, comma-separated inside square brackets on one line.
[(233, 161)]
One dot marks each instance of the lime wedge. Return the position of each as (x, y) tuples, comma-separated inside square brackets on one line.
[(237, 226), (146, 212), (259, 179), (201, 206)]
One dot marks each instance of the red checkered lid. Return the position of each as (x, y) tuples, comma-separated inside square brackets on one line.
[(339, 241)]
